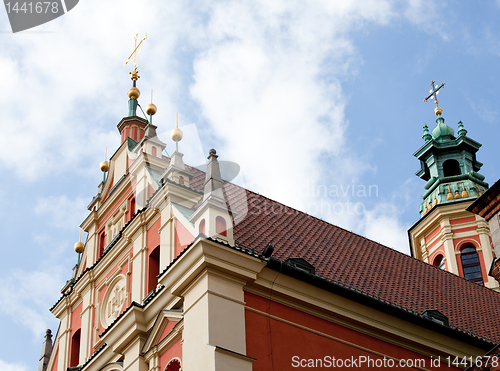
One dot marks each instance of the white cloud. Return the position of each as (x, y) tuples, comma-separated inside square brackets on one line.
[(258, 84), (266, 77), (385, 227), (428, 15), (27, 293), (482, 108), (62, 211), (18, 366), (26, 297)]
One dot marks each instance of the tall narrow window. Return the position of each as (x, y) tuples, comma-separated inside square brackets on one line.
[(75, 349), (471, 265), (220, 226), (131, 208), (153, 151), (202, 226), (154, 268), (102, 244)]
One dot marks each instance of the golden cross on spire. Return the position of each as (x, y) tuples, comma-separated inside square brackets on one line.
[(433, 95), (134, 72), (434, 92)]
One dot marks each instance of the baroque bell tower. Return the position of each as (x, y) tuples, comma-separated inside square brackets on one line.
[(447, 235)]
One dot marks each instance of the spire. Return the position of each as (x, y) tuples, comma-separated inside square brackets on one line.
[(447, 163), (151, 109), (132, 126), (426, 135), (461, 129), (212, 217), (433, 95), (213, 179), (79, 246), (441, 131), (177, 170), (133, 92), (46, 351), (176, 133), (104, 166)]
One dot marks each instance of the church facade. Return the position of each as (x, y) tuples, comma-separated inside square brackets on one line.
[(184, 271)]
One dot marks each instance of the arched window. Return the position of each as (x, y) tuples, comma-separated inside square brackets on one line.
[(153, 151), (202, 226), (439, 262), (451, 167), (470, 264), (181, 180), (173, 365), (75, 349), (220, 226)]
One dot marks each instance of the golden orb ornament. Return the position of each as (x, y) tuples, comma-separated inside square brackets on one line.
[(133, 93), (176, 134), (79, 247), (438, 111), (150, 109), (104, 166)]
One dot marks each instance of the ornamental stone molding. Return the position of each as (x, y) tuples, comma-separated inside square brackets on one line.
[(114, 299)]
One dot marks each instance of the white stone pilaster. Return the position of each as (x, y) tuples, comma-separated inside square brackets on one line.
[(484, 237), (449, 248), (214, 318), (87, 320), (133, 361), (138, 266), (166, 237), (64, 338)]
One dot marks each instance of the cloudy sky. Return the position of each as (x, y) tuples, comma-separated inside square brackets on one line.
[(319, 101)]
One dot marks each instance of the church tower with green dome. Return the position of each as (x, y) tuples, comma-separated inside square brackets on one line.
[(449, 166), (447, 235)]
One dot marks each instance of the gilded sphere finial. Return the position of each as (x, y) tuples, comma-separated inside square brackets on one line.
[(150, 109), (133, 93), (79, 247), (176, 134), (104, 166), (438, 111)]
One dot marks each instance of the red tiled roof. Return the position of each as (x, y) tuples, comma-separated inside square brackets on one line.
[(360, 263)]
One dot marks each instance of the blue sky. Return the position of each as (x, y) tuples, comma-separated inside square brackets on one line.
[(305, 96)]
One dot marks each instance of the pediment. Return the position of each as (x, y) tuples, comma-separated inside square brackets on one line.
[(164, 323)]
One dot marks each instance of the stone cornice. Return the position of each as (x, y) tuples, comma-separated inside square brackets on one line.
[(205, 253)]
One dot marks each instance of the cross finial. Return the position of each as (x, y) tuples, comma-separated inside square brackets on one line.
[(134, 72), (433, 95), (434, 92)]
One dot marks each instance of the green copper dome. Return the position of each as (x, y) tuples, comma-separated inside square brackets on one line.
[(442, 131)]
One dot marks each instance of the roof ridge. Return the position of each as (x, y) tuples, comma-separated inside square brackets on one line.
[(326, 222)]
